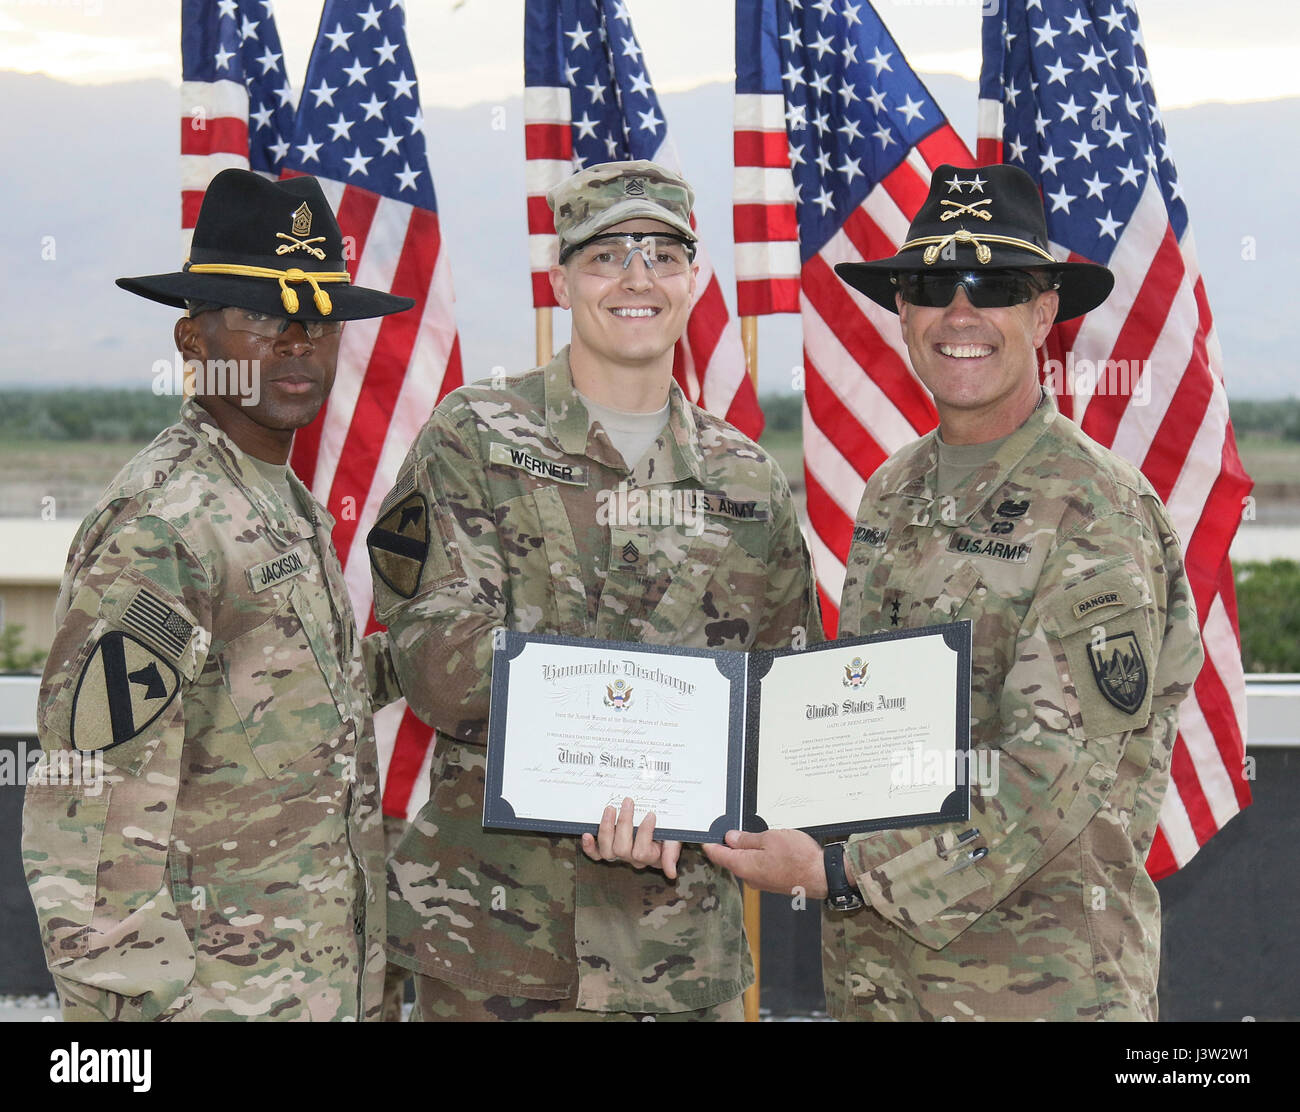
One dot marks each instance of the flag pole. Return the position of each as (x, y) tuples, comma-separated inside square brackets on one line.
[(752, 904), (749, 341), (545, 349)]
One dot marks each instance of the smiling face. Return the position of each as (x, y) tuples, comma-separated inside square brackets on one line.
[(630, 321), (294, 376), (978, 363)]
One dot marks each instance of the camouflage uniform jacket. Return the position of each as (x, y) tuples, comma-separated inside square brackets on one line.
[(229, 865), (1084, 642), (522, 534)]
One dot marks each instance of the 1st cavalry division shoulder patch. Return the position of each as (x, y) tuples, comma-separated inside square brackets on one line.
[(399, 544), (124, 687)]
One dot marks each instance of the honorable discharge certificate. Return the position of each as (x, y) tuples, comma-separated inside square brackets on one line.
[(846, 736), (592, 723)]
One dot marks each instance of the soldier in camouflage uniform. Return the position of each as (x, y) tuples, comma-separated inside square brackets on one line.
[(510, 512), (225, 860), (1084, 642)]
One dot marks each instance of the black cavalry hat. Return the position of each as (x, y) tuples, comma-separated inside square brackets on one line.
[(991, 218), (270, 246)]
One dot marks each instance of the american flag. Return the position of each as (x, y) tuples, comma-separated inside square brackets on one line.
[(359, 130), (1066, 94), (587, 100), (835, 132), (236, 101)]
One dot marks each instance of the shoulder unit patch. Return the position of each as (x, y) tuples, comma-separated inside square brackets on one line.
[(123, 688), (1120, 671), (399, 544)]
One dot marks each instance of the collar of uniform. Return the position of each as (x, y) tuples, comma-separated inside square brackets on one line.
[(321, 517), (232, 458), (568, 422), (566, 416), (675, 454), (981, 485)]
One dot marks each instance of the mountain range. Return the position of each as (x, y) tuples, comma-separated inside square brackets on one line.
[(92, 193)]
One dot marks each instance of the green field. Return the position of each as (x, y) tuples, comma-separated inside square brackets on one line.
[(77, 470), (1270, 459), (74, 472)]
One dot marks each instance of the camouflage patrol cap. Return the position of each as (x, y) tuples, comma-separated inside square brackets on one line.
[(602, 196)]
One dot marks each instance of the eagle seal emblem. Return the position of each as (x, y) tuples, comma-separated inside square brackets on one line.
[(855, 673), (618, 695)]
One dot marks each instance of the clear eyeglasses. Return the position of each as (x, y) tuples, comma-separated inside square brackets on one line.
[(608, 256)]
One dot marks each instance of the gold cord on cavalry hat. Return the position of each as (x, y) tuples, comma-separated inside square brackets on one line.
[(980, 242), (288, 297)]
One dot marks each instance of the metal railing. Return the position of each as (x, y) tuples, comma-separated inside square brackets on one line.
[(1272, 708)]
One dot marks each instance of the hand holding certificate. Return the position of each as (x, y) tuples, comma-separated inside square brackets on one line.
[(620, 838), (847, 736)]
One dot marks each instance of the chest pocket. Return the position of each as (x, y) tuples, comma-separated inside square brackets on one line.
[(942, 596), (280, 676), (1101, 628), (714, 590)]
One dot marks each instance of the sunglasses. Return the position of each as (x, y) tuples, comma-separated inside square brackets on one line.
[(986, 289)]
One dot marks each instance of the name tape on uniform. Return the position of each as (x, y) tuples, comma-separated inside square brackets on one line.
[(279, 568), (874, 537), (507, 456)]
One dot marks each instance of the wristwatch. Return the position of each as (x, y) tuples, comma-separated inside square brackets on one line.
[(840, 894)]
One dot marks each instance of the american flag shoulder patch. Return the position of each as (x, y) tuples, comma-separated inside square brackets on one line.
[(404, 486), (165, 627)]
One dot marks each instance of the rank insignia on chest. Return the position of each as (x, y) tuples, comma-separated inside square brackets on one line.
[(399, 544), (123, 688), (628, 549), (1120, 670)]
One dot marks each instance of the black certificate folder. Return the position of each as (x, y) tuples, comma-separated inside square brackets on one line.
[(860, 734)]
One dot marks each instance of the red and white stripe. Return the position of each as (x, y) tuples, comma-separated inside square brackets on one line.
[(861, 400), (392, 371), (1181, 437), (763, 209), (709, 360), (214, 137)]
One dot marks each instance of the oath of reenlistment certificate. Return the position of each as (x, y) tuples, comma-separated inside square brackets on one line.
[(847, 736)]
